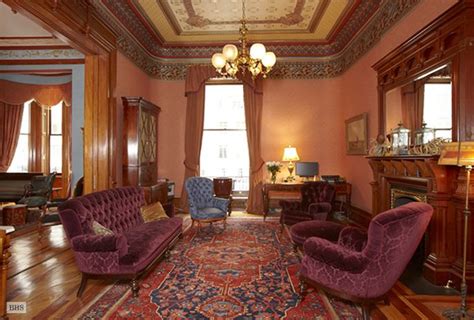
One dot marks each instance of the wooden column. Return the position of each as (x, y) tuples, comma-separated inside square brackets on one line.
[(99, 118), (458, 229)]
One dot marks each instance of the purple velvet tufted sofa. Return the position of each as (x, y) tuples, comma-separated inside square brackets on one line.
[(363, 268), (134, 246)]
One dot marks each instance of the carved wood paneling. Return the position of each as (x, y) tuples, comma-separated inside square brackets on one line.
[(444, 187), (448, 39), (411, 168), (74, 22), (77, 24)]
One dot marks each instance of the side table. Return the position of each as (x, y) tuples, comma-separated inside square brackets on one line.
[(223, 189), (14, 215)]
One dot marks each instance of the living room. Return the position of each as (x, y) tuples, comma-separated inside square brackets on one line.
[(306, 100)]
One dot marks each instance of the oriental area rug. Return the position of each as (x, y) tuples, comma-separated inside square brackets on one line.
[(248, 271)]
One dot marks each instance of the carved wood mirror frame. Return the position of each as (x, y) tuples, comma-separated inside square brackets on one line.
[(447, 40)]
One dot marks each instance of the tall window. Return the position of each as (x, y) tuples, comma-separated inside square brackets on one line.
[(437, 109), (224, 151), (49, 151), (21, 158), (56, 138)]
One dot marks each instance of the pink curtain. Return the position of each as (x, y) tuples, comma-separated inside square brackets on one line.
[(253, 101), (45, 95), (194, 91), (10, 124)]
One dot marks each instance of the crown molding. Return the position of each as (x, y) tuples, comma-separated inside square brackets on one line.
[(309, 66)]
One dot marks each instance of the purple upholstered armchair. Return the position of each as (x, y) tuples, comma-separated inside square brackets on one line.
[(365, 273), (316, 202)]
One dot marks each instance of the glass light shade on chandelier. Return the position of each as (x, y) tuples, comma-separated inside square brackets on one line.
[(256, 60)]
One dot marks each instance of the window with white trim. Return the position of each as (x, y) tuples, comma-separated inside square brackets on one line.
[(224, 151)]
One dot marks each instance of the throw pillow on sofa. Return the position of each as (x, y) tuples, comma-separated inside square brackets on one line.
[(100, 230), (152, 212)]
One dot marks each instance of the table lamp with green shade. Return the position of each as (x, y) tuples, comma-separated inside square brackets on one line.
[(290, 154), (460, 154)]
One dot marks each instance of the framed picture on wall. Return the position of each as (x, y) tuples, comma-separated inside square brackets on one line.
[(356, 135)]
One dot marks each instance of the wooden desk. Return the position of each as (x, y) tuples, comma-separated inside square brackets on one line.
[(279, 191), (292, 191)]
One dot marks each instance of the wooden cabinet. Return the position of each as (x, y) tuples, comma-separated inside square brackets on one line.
[(140, 148)]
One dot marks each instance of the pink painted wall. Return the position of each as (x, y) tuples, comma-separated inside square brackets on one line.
[(305, 114), (131, 81), (360, 91), (294, 113), (169, 96)]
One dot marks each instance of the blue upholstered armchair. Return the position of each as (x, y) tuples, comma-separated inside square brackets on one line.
[(203, 205)]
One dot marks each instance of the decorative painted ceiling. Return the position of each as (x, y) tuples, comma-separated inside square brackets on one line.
[(311, 38), (217, 20)]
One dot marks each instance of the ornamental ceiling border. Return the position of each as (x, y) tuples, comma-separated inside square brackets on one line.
[(127, 19), (311, 66)]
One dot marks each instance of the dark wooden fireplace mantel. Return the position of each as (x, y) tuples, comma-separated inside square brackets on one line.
[(448, 40), (444, 189)]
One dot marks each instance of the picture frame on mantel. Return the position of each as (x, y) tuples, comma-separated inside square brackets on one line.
[(356, 135)]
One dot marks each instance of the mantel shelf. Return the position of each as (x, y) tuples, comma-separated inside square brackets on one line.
[(404, 157)]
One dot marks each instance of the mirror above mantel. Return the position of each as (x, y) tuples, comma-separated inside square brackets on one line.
[(422, 102), (441, 52)]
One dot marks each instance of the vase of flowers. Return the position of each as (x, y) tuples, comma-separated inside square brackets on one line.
[(273, 167)]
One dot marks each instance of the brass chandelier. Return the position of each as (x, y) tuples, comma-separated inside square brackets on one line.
[(257, 61)]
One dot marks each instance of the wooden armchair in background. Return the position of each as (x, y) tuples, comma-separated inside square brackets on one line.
[(38, 192)]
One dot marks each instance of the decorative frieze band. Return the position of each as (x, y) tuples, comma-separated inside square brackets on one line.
[(309, 67)]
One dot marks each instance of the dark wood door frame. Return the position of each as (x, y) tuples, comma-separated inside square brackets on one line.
[(77, 24)]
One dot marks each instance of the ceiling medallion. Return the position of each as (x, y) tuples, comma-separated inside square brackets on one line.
[(231, 60)]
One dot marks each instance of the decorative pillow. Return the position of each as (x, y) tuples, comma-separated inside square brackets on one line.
[(153, 211), (100, 229)]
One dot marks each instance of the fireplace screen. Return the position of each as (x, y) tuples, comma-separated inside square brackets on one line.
[(399, 197)]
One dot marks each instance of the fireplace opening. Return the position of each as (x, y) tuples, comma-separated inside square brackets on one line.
[(399, 197), (400, 201)]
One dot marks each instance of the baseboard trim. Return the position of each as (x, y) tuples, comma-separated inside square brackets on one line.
[(360, 217)]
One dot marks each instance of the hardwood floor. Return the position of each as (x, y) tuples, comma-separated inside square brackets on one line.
[(43, 274)]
